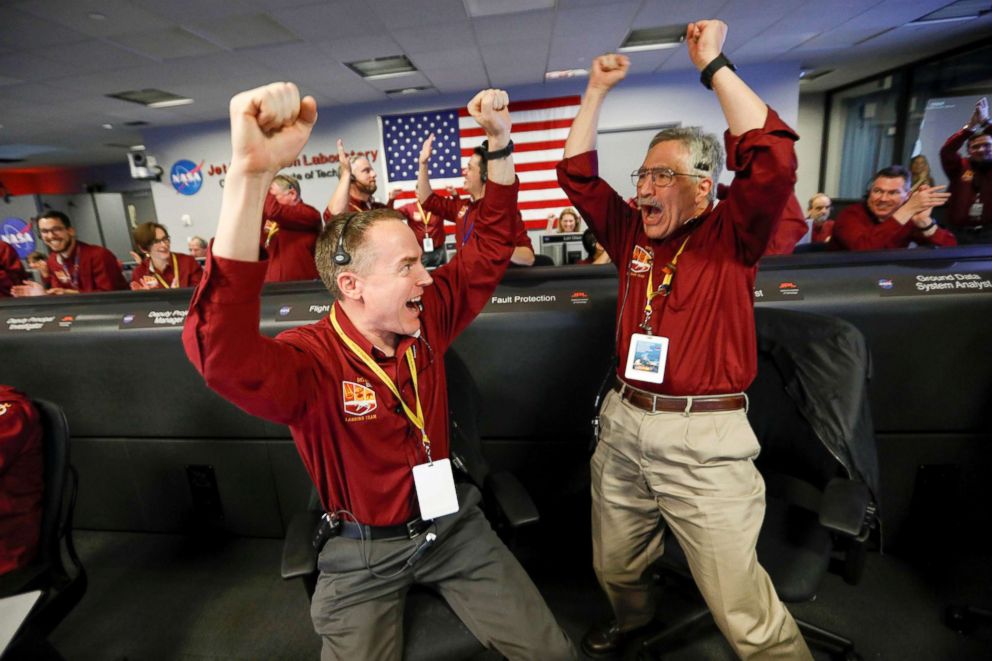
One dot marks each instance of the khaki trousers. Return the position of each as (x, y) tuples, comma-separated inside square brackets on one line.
[(696, 474), (360, 616)]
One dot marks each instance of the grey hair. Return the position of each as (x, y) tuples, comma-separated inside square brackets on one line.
[(704, 149)]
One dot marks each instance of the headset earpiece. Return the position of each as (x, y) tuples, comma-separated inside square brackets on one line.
[(341, 256)]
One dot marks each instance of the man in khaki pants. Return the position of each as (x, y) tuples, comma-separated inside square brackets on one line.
[(675, 446)]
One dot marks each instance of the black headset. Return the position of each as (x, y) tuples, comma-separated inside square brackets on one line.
[(341, 256)]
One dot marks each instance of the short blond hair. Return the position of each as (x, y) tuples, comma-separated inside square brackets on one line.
[(355, 244)]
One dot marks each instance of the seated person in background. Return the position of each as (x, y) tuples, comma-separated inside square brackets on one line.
[(289, 232), (818, 215), (39, 262), (356, 185), (891, 217), (969, 214), (429, 229), (197, 247), (595, 252), (464, 213), (74, 267), (566, 222), (12, 272), (919, 167), (161, 268), (22, 484), (347, 386)]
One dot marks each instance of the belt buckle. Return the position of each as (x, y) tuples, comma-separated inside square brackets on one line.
[(414, 527)]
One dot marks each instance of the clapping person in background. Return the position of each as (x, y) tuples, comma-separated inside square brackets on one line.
[(161, 268)]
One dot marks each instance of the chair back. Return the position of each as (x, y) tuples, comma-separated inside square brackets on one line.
[(55, 446)]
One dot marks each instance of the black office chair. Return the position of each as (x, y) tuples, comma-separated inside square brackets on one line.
[(56, 571), (809, 410), (543, 260), (431, 630)]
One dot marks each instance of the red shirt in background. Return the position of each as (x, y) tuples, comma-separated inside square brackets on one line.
[(857, 228), (289, 235), (464, 213), (190, 273), (790, 229), (88, 268), (355, 204), (357, 446), (709, 315), (965, 183), (433, 228), (12, 271), (823, 232), (22, 482)]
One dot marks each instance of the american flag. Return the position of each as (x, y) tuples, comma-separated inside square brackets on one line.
[(539, 131)]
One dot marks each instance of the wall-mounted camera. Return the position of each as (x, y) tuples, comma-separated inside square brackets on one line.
[(143, 166)]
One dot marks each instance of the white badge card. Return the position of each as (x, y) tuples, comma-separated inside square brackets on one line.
[(646, 358), (976, 209), (435, 485), (428, 244)]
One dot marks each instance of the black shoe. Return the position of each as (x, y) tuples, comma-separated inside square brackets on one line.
[(604, 640)]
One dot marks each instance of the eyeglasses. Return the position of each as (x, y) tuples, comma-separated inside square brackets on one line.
[(660, 177), (164, 239)]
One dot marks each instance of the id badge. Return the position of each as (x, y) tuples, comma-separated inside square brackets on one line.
[(435, 485), (976, 209), (428, 244), (646, 358)]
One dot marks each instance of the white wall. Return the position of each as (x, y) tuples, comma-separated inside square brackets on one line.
[(809, 146), (641, 100)]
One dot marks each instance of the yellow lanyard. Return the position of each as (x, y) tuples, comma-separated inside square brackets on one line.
[(273, 230), (175, 273), (423, 216), (664, 289), (416, 418)]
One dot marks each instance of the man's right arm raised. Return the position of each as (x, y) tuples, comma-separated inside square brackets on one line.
[(269, 127), (607, 71)]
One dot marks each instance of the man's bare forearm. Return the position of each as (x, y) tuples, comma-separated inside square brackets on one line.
[(240, 220)]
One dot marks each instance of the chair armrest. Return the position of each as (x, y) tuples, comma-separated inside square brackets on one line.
[(298, 555), (512, 499), (846, 507)]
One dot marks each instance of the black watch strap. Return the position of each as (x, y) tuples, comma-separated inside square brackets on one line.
[(499, 153), (706, 75)]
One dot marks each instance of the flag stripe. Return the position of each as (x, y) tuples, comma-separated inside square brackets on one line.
[(518, 127), (527, 146)]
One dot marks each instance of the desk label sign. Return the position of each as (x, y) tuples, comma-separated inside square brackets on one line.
[(40, 323), (786, 290), (153, 319), (936, 284), (303, 312)]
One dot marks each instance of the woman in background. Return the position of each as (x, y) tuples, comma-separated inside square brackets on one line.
[(162, 268)]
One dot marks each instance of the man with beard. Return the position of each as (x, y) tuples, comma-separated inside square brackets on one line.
[(675, 446), (356, 185), (74, 267), (969, 213), (891, 217)]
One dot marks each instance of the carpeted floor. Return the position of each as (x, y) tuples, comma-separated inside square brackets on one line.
[(174, 597)]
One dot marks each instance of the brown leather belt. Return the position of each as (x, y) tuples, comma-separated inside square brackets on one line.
[(705, 404)]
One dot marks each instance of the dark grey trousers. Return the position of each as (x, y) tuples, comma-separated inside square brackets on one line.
[(360, 616)]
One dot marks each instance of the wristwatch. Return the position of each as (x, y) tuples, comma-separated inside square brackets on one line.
[(706, 75), (499, 153)]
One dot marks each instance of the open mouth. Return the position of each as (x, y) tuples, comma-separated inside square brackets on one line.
[(416, 303), (650, 214)]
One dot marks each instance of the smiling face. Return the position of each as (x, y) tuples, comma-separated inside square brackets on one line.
[(56, 235), (980, 149), (390, 288), (161, 246), (567, 222), (886, 194), (666, 208), (363, 182), (472, 172)]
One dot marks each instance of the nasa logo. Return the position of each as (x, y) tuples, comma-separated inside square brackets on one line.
[(885, 283), (285, 310), (128, 318), (17, 233), (186, 177)]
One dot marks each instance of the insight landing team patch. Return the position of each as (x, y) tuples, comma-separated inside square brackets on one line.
[(359, 400), (640, 260)]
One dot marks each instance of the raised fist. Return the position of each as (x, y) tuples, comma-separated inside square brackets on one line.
[(705, 41), (491, 110), (269, 126), (608, 70)]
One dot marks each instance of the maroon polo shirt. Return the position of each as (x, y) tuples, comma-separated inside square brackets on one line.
[(709, 315), (965, 183), (21, 479), (791, 227), (96, 269), (464, 214), (356, 205), (356, 444), (822, 232), (433, 227), (857, 228), (12, 271), (190, 272), (291, 249)]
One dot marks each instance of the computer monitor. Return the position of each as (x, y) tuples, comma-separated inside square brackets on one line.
[(563, 248)]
